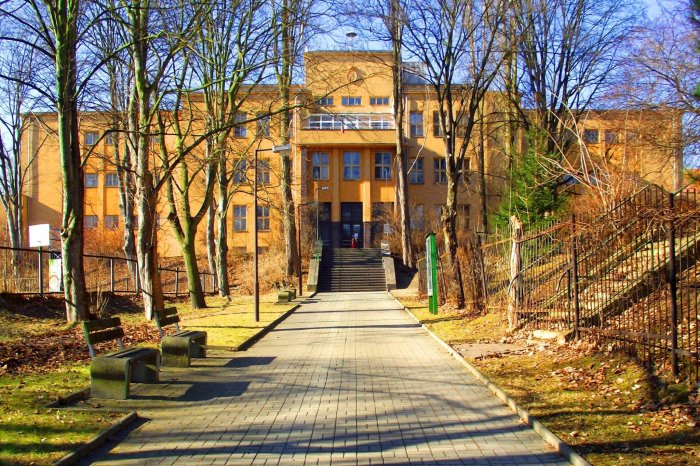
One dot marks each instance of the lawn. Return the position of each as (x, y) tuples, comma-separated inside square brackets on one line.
[(42, 358), (606, 405)]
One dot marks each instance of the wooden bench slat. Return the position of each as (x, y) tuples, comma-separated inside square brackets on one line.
[(169, 321), (106, 335), (101, 324)]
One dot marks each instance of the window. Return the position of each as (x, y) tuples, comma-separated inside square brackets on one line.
[(351, 165), (112, 221), (631, 137), (466, 169), (415, 176), (239, 218), (111, 179), (239, 130), (319, 169), (263, 125), (382, 166), (437, 131), (263, 218), (379, 101), (352, 101), (612, 137), (463, 216), (264, 172), (91, 138), (416, 120), (91, 221), (239, 175), (437, 217), (325, 101), (91, 180), (590, 135), (109, 139), (417, 217), (440, 170)]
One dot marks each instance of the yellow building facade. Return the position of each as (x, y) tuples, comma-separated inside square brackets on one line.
[(342, 140)]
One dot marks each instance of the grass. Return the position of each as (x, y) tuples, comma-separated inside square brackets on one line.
[(605, 405), (456, 327), (33, 434), (30, 433)]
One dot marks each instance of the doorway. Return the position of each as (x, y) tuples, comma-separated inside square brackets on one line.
[(350, 223)]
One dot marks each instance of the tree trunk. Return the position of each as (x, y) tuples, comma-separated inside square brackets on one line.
[(222, 237), (189, 257), (284, 82), (449, 229), (396, 31), (69, 149), (146, 245), (211, 240)]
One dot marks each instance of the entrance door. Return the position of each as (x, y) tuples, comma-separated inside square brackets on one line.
[(350, 223)]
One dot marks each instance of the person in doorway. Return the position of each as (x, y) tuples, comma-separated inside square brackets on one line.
[(353, 241)]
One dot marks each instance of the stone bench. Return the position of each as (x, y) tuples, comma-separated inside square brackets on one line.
[(111, 373), (180, 347)]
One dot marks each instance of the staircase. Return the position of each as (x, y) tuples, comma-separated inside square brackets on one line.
[(344, 269)]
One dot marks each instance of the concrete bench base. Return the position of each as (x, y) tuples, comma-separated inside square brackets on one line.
[(180, 347), (111, 374)]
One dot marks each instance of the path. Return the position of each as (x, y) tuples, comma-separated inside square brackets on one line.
[(347, 379)]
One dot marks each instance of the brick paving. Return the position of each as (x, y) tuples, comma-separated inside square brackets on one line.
[(348, 379)]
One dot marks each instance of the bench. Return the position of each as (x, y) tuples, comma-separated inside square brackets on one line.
[(285, 294), (182, 345), (111, 373)]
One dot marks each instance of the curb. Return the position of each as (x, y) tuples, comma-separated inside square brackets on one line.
[(75, 456), (547, 435), (258, 336), (92, 444)]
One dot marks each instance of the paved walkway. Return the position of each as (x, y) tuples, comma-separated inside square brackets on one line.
[(348, 379)]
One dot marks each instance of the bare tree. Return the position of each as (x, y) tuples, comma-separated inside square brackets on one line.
[(231, 58), (17, 101), (293, 24), (457, 42), (663, 70), (385, 20), (568, 51), (54, 30), (157, 31)]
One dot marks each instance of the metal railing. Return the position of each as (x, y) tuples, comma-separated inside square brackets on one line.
[(629, 277), (349, 121), (37, 272)]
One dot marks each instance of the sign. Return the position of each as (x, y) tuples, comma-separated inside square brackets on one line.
[(431, 266), (55, 274), (39, 235)]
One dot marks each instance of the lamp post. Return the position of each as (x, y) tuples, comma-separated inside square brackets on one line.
[(256, 282), (322, 188)]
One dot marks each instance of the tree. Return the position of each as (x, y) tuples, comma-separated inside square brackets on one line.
[(292, 24), (386, 21), (231, 58), (53, 29), (664, 65), (156, 32), (456, 42), (568, 51), (18, 67)]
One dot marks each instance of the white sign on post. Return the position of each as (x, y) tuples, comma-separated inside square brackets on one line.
[(429, 266), (39, 235)]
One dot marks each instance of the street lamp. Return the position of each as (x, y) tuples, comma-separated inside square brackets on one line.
[(256, 283), (322, 188)]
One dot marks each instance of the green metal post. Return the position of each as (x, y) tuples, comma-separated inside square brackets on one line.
[(431, 265)]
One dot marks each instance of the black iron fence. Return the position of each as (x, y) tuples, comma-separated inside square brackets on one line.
[(629, 277), (38, 272)]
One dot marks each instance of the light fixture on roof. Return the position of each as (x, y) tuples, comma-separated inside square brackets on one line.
[(351, 36)]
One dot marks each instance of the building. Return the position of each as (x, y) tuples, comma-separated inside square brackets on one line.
[(342, 149)]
